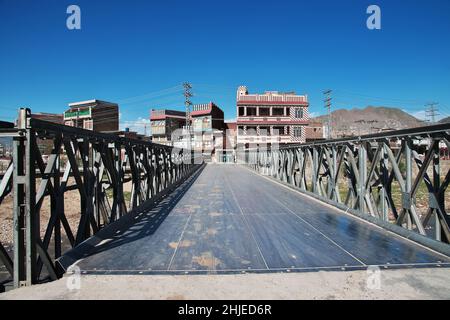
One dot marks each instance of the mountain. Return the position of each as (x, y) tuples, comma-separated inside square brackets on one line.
[(445, 120), (369, 120)]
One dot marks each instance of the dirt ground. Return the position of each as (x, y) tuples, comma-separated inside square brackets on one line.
[(391, 285), (71, 209)]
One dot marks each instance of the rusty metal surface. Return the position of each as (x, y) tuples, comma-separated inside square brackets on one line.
[(229, 219)]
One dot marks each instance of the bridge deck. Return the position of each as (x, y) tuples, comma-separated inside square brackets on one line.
[(229, 219)]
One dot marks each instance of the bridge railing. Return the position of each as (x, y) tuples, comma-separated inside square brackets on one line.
[(91, 167), (398, 178)]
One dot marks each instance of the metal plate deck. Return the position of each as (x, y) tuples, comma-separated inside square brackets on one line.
[(229, 220)]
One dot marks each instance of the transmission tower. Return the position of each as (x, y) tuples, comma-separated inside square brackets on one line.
[(187, 102), (432, 111), (327, 101)]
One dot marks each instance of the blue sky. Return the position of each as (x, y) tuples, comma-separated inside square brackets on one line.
[(138, 53)]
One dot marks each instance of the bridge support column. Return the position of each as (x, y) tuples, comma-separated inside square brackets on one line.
[(26, 223), (19, 211)]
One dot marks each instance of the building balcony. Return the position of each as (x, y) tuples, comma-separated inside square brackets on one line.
[(271, 121), (263, 139)]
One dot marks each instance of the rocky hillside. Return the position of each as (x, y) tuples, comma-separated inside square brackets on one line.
[(445, 120), (369, 120)]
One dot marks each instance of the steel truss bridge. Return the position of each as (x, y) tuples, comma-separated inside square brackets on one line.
[(332, 205)]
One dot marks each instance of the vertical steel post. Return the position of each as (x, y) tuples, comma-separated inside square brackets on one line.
[(315, 166), (26, 223), (32, 220), (436, 187), (408, 183), (362, 176), (334, 174), (59, 205), (19, 211), (384, 182)]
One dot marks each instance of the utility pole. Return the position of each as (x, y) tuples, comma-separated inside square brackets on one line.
[(78, 115), (187, 102), (327, 101), (432, 111)]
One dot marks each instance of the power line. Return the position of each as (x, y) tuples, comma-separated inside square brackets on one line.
[(151, 95)]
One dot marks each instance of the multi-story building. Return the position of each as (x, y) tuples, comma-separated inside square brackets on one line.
[(93, 115), (206, 117), (207, 122), (227, 151), (315, 131), (272, 117), (164, 122)]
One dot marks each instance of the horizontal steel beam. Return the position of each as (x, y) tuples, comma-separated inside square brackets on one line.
[(47, 128)]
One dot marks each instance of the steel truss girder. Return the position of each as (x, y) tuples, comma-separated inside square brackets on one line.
[(382, 176), (95, 163)]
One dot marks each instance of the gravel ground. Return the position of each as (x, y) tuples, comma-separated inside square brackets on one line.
[(71, 208), (407, 284)]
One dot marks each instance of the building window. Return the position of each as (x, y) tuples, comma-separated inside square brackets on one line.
[(251, 131), (278, 131), (264, 131), (87, 124), (276, 112), (241, 111), (298, 113), (297, 132), (251, 112), (263, 112), (241, 130)]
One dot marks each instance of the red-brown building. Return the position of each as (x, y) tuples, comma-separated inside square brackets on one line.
[(207, 117), (164, 122), (272, 117), (93, 115), (315, 131), (207, 122)]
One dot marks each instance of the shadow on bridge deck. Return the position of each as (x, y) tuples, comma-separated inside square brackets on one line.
[(229, 219)]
